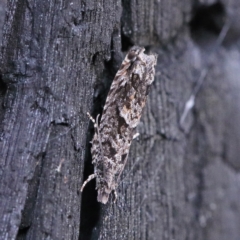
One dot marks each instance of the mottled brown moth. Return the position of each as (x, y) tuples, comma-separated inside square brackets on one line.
[(121, 115)]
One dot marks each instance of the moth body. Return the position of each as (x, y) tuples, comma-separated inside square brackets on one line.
[(121, 115)]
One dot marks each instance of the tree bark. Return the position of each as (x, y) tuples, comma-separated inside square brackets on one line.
[(58, 59)]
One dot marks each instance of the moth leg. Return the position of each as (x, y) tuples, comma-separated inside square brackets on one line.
[(90, 177), (92, 119), (115, 195), (96, 126), (136, 135)]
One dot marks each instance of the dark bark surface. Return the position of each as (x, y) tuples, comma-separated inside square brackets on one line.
[(57, 63)]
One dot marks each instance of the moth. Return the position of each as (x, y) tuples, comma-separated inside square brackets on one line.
[(121, 115)]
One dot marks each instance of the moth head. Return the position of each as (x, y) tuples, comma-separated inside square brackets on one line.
[(134, 52)]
